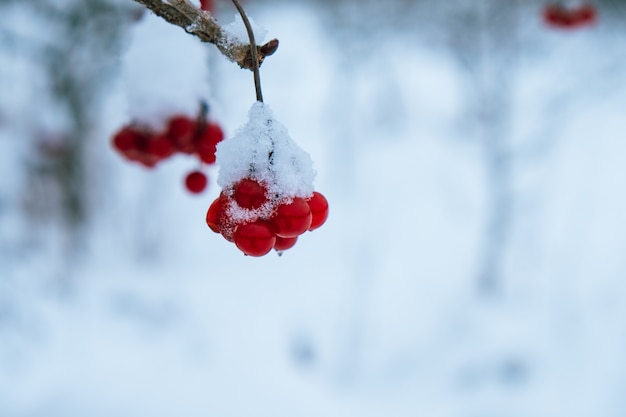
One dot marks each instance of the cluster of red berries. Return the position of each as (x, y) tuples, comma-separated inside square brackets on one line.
[(182, 135), (207, 5), (558, 16), (256, 222)]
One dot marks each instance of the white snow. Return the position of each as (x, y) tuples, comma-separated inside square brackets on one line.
[(236, 30), (262, 149), (375, 313), (165, 73)]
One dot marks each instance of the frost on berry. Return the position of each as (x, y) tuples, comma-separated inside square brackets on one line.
[(267, 197), (262, 149), (249, 193)]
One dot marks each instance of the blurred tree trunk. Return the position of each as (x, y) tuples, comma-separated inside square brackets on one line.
[(76, 59)]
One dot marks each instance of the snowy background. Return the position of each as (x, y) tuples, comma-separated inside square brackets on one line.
[(472, 264)]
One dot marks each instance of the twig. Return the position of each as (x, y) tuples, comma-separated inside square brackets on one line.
[(253, 51), (202, 24)]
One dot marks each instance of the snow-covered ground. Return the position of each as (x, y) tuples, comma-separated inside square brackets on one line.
[(376, 313)]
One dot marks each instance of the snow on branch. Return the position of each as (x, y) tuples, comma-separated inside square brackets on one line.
[(202, 24)]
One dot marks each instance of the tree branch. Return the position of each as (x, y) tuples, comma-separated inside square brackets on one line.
[(202, 24)]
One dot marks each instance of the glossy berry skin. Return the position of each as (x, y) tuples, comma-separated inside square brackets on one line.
[(196, 182), (215, 214), (257, 233), (319, 210), (292, 219), (254, 239), (284, 243), (249, 193), (217, 217)]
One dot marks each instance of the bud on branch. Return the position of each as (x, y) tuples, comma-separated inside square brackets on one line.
[(202, 24)]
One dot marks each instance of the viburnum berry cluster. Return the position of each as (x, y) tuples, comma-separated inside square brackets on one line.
[(207, 5), (182, 134), (559, 16), (276, 224), (267, 199)]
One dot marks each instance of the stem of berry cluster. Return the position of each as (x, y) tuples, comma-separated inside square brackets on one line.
[(253, 51)]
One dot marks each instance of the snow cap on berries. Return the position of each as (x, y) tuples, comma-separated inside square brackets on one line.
[(262, 149)]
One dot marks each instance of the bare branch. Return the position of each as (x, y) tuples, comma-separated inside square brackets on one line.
[(202, 24)]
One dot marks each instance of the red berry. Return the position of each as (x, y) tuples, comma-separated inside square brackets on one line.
[(196, 182), (207, 141), (217, 217), (585, 15), (249, 194), (292, 219), (206, 5), (147, 160), (254, 239), (213, 133), (319, 210), (182, 131), (216, 214), (557, 15), (206, 152), (284, 243), (125, 140), (161, 147), (133, 144)]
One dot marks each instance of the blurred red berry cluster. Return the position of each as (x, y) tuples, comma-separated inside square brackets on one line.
[(182, 134), (256, 222), (207, 5), (559, 16)]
